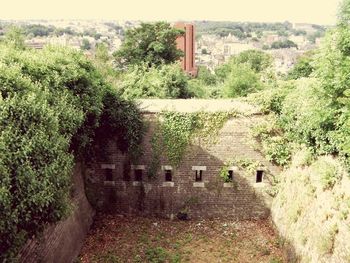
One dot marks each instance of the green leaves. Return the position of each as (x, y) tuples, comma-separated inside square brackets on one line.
[(175, 131), (36, 166), (152, 44), (53, 103), (166, 81), (241, 81), (244, 73)]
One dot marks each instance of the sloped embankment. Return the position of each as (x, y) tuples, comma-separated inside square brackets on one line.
[(311, 209)]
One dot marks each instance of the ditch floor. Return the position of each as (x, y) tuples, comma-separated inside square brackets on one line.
[(119, 238)]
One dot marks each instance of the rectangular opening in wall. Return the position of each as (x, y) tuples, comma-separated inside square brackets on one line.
[(138, 174), (168, 175), (259, 176), (230, 175), (199, 174), (126, 172), (108, 175)]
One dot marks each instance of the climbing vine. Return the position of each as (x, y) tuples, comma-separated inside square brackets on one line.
[(224, 172), (174, 131), (248, 164)]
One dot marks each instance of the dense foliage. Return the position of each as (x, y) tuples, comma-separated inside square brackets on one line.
[(244, 73), (314, 111), (53, 104), (164, 81), (150, 43), (303, 68), (283, 44)]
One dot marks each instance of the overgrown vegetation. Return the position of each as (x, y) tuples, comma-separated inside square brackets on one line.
[(54, 108), (175, 130)]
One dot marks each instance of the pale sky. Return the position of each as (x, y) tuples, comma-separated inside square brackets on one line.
[(310, 11)]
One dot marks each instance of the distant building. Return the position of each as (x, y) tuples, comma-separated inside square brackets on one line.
[(186, 43)]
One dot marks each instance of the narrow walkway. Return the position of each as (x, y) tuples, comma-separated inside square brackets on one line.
[(116, 238)]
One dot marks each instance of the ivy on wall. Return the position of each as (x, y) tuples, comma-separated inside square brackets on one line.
[(175, 131)]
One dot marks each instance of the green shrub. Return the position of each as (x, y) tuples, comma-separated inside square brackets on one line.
[(35, 168), (240, 81), (271, 99), (165, 81), (54, 106)]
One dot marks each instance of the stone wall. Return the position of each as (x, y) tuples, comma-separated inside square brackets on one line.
[(111, 184), (62, 242)]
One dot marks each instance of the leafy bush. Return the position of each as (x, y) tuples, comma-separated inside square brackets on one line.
[(275, 146), (271, 99), (303, 67), (311, 114), (241, 81), (35, 168), (53, 104), (166, 81), (277, 149)]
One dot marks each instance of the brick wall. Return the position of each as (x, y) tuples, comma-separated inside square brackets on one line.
[(210, 198), (62, 242)]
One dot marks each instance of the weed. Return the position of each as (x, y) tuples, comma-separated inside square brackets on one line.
[(157, 255), (326, 243), (276, 260), (108, 257)]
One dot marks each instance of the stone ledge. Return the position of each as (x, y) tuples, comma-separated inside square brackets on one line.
[(109, 183), (259, 185), (197, 168), (233, 168), (228, 185), (108, 166), (168, 184), (136, 183), (138, 167), (167, 167), (198, 184)]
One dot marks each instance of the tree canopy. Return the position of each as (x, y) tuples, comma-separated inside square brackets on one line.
[(150, 43)]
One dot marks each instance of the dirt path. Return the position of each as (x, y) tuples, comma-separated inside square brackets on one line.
[(138, 239)]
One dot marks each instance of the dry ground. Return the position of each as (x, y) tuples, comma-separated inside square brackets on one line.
[(116, 238)]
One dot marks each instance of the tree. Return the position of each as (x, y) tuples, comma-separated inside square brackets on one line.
[(101, 53), (241, 81), (344, 13), (85, 45), (150, 43), (283, 44), (303, 67), (256, 59), (15, 37)]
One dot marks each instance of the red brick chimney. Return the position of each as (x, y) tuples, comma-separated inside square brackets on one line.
[(186, 43)]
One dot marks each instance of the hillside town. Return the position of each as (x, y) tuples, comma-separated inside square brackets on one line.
[(215, 43)]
